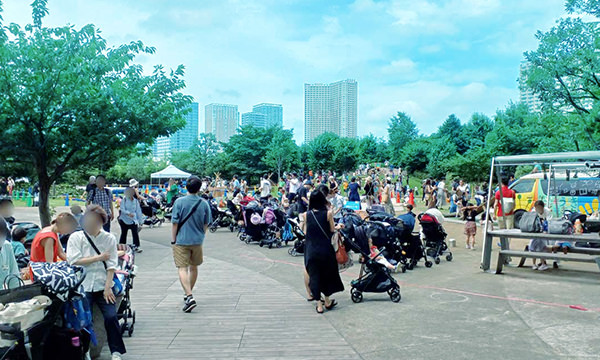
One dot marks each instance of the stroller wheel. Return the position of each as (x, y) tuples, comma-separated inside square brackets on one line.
[(410, 266), (449, 257), (124, 328), (356, 295), (437, 260), (133, 319), (271, 246), (403, 268), (213, 229), (261, 244), (279, 244), (248, 239), (428, 264), (130, 330), (395, 295)]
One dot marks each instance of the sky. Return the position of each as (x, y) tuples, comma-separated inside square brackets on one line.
[(427, 58)]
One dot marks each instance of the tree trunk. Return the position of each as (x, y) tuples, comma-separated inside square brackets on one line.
[(44, 202)]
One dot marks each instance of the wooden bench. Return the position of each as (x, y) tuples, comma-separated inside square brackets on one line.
[(505, 254)]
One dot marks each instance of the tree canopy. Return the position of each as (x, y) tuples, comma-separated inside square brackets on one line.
[(67, 99)]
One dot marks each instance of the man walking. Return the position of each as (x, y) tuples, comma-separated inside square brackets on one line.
[(100, 195), (191, 216)]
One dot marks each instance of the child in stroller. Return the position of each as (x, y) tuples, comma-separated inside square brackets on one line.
[(434, 237), (374, 276), (298, 248)]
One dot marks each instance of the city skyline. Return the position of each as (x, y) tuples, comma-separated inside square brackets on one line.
[(428, 59)]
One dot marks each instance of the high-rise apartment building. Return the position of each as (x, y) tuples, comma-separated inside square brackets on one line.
[(254, 119), (221, 120), (526, 96), (331, 108), (182, 140), (273, 113)]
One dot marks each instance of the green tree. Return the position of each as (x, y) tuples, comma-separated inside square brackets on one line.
[(68, 100), (282, 152), (321, 151), (246, 151), (414, 156), (401, 131), (564, 70)]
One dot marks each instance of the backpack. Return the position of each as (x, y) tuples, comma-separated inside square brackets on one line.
[(530, 223)]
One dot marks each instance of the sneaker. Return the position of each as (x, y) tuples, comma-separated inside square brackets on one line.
[(190, 304), (467, 246), (534, 267), (116, 356), (543, 267), (473, 247), (138, 250)]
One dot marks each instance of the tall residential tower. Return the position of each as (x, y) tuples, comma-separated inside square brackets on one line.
[(331, 108), (221, 120), (182, 140)]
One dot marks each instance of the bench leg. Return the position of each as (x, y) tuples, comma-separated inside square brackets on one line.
[(522, 261), (500, 264), (487, 253)]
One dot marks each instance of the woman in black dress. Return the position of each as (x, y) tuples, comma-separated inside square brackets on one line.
[(319, 256)]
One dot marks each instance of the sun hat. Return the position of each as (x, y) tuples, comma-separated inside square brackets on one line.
[(133, 182)]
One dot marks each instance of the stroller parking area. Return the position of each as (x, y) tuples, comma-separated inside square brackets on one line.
[(251, 305)]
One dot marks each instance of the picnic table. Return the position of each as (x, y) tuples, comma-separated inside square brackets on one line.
[(579, 254)]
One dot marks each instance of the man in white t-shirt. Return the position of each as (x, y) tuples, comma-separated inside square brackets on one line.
[(294, 186), (265, 188)]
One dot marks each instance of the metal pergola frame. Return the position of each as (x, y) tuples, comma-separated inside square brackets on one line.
[(566, 160)]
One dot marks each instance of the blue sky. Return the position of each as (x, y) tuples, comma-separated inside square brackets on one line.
[(427, 58)]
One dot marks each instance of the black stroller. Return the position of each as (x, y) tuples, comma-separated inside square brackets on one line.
[(50, 338), (434, 238), (374, 277), (298, 248), (254, 228), (220, 218), (150, 209)]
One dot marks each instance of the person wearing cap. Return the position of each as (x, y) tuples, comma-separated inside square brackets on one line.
[(302, 194)]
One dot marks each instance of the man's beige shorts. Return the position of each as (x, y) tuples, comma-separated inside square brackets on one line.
[(187, 255)]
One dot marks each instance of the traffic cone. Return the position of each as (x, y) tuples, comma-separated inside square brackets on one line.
[(397, 197), (411, 199)]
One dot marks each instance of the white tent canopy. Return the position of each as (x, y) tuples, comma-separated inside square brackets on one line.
[(170, 172)]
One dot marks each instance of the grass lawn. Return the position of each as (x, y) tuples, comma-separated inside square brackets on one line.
[(53, 203)]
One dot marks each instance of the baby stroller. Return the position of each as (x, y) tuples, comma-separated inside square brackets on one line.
[(374, 277), (298, 248), (53, 337), (220, 218), (254, 227), (150, 208), (235, 213), (386, 235), (126, 273), (434, 237)]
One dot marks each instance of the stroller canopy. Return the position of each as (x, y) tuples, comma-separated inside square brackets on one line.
[(170, 172)]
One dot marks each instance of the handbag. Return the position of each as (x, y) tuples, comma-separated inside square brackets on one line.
[(117, 287), (341, 256), (560, 227)]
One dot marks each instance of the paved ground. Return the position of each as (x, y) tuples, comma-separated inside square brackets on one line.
[(251, 305)]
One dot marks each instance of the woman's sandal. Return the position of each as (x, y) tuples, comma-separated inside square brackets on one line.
[(332, 305), (317, 309), (310, 299)]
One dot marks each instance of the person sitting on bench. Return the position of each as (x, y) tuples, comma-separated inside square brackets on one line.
[(540, 245)]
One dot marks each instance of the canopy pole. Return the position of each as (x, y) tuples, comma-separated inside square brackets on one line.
[(486, 253)]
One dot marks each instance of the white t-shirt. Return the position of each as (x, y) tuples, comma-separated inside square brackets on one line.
[(265, 188), (441, 186), (294, 185)]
